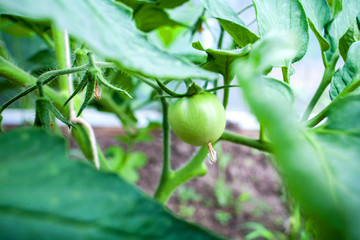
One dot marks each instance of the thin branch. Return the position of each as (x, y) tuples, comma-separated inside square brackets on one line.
[(244, 9), (236, 138)]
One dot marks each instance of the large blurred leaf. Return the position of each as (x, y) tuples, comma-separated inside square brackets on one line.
[(283, 15), (320, 168), (319, 15), (273, 50), (45, 195), (339, 155), (276, 89), (230, 21), (344, 19), (347, 73), (351, 36), (106, 27)]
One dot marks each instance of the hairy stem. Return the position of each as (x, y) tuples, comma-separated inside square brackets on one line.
[(21, 78), (60, 53)]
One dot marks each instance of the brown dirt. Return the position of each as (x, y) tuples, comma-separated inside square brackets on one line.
[(250, 172)]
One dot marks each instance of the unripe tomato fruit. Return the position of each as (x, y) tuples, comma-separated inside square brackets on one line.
[(198, 119)]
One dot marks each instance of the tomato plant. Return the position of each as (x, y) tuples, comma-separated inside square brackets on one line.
[(50, 54)]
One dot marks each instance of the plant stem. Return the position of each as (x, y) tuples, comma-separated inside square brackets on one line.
[(235, 138), (221, 37), (60, 53), (168, 91), (195, 167), (244, 9), (150, 83), (227, 81), (166, 171), (22, 78), (328, 73), (166, 137), (285, 73), (320, 116), (221, 87), (91, 59), (262, 133)]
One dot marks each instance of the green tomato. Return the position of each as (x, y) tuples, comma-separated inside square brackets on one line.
[(198, 119)]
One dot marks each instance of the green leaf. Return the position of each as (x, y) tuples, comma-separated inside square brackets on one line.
[(43, 60), (171, 3), (335, 6), (338, 143), (45, 195), (15, 29), (344, 19), (347, 73), (283, 15), (150, 17), (277, 89), (319, 15), (23, 49), (272, 50), (343, 115), (112, 35), (135, 3), (321, 167), (230, 21), (351, 36), (220, 60)]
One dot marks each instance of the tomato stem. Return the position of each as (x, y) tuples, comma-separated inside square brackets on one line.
[(328, 73), (227, 80), (285, 73), (236, 138), (60, 48)]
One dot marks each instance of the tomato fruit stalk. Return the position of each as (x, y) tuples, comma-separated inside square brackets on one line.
[(198, 120)]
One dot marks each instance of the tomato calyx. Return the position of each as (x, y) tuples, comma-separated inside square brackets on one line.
[(193, 89)]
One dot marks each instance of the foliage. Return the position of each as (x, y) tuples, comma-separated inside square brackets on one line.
[(46, 193), (125, 54)]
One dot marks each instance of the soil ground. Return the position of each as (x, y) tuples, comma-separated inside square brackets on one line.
[(256, 194)]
